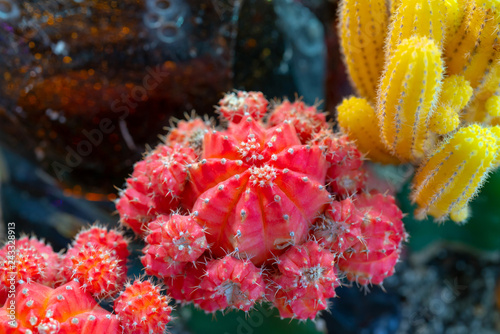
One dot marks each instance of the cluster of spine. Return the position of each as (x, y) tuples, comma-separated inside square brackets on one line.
[(437, 101), (246, 212), (56, 293)]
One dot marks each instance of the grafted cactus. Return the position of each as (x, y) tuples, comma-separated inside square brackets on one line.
[(362, 29), (408, 90)]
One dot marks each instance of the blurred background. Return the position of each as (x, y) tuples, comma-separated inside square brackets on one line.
[(86, 85)]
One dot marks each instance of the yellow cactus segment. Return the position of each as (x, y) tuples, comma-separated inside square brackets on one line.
[(454, 15), (362, 30), (471, 50), (444, 120), (496, 132), (455, 94), (424, 18), (357, 118), (394, 6), (490, 86), (452, 175), (409, 85), (460, 215), (492, 106)]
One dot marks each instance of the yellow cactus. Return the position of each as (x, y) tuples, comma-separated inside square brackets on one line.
[(444, 120), (409, 87), (452, 175), (357, 118), (362, 29), (472, 48), (496, 132), (492, 106), (424, 18), (394, 6), (479, 111), (416, 109), (454, 15), (455, 94), (460, 215)]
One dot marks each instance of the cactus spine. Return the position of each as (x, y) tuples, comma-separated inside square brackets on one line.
[(362, 29), (407, 93), (451, 176)]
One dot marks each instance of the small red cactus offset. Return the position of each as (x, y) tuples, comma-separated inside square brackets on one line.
[(306, 120), (179, 237), (111, 239), (51, 258), (235, 106), (30, 266), (373, 257), (265, 209), (173, 241), (230, 282), (98, 270), (340, 227), (188, 133), (307, 278), (155, 186), (142, 309)]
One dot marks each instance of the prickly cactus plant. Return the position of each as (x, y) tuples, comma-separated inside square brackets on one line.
[(91, 270), (245, 213), (422, 18), (142, 309), (441, 74), (35, 261), (358, 119), (362, 30), (449, 178), (409, 83)]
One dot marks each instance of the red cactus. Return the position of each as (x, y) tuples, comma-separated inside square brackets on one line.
[(142, 308), (372, 258), (344, 173), (306, 120), (340, 227), (188, 133), (172, 242), (184, 286), (97, 269), (177, 237), (29, 264), (253, 192), (155, 186), (251, 178), (235, 106), (136, 209), (307, 278), (65, 310), (34, 261), (111, 239), (230, 282)]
